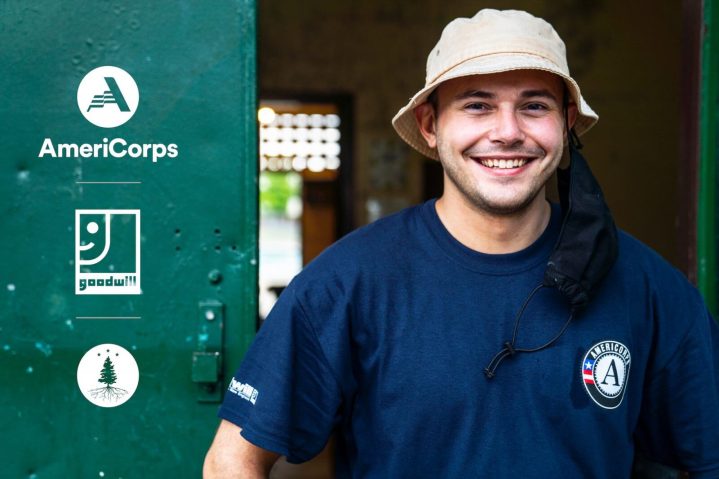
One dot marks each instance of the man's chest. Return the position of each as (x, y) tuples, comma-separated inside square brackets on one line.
[(432, 350)]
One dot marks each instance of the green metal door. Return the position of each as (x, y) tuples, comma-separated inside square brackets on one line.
[(708, 210), (194, 66)]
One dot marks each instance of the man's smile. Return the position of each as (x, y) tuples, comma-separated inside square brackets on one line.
[(503, 165), (503, 162)]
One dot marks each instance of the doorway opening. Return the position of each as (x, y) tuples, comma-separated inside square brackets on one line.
[(304, 183)]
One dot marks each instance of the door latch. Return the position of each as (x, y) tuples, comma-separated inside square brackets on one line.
[(207, 357)]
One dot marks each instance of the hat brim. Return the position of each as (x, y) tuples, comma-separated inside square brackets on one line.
[(405, 123)]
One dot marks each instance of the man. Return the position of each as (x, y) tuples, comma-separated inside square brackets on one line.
[(396, 337)]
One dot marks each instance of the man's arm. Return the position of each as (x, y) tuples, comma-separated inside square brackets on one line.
[(231, 456)]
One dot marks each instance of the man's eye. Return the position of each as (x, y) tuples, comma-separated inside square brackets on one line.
[(536, 107), (477, 106)]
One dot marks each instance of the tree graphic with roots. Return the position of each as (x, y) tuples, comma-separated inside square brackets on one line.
[(108, 378)]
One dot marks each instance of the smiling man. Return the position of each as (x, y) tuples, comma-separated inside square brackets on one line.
[(500, 137), (393, 338)]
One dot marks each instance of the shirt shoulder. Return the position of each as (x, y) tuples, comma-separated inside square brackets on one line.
[(678, 420), (673, 308), (374, 246), (641, 262)]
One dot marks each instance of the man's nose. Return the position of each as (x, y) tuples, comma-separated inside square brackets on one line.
[(507, 129)]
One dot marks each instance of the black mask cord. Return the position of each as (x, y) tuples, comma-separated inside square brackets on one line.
[(509, 349)]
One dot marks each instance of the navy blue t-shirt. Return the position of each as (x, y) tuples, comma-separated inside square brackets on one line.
[(385, 336)]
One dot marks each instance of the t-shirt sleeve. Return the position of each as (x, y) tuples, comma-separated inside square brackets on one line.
[(679, 422), (285, 396)]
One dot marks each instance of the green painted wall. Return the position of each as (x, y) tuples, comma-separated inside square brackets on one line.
[(194, 63)]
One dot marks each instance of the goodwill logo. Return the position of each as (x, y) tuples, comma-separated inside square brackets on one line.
[(107, 252)]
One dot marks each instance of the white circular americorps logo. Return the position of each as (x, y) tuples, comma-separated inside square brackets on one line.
[(108, 96), (605, 371), (107, 375)]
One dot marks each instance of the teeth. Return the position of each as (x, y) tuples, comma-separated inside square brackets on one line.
[(503, 163)]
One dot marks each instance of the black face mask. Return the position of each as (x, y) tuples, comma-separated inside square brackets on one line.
[(584, 253), (587, 246)]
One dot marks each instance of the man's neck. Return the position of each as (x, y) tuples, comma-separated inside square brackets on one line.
[(493, 234)]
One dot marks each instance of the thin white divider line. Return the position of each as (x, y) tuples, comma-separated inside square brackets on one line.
[(108, 182), (108, 317)]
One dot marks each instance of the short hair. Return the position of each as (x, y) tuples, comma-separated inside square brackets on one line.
[(433, 99)]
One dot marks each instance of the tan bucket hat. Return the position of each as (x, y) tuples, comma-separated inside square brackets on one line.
[(492, 41)]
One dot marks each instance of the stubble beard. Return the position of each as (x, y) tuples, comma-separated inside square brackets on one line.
[(473, 193)]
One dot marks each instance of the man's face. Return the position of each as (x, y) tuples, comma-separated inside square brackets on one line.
[(499, 137)]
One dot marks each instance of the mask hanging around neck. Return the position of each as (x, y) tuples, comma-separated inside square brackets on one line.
[(584, 252), (583, 255), (587, 245)]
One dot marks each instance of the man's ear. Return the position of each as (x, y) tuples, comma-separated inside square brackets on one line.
[(571, 119), (572, 114), (426, 122)]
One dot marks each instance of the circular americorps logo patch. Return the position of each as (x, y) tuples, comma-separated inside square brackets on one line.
[(605, 371)]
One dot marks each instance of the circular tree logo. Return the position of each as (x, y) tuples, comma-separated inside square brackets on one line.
[(107, 375), (108, 96)]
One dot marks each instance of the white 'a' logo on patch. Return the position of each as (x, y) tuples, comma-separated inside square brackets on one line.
[(605, 371)]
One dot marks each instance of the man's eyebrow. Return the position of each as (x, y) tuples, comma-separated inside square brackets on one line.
[(475, 94), (539, 93)]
